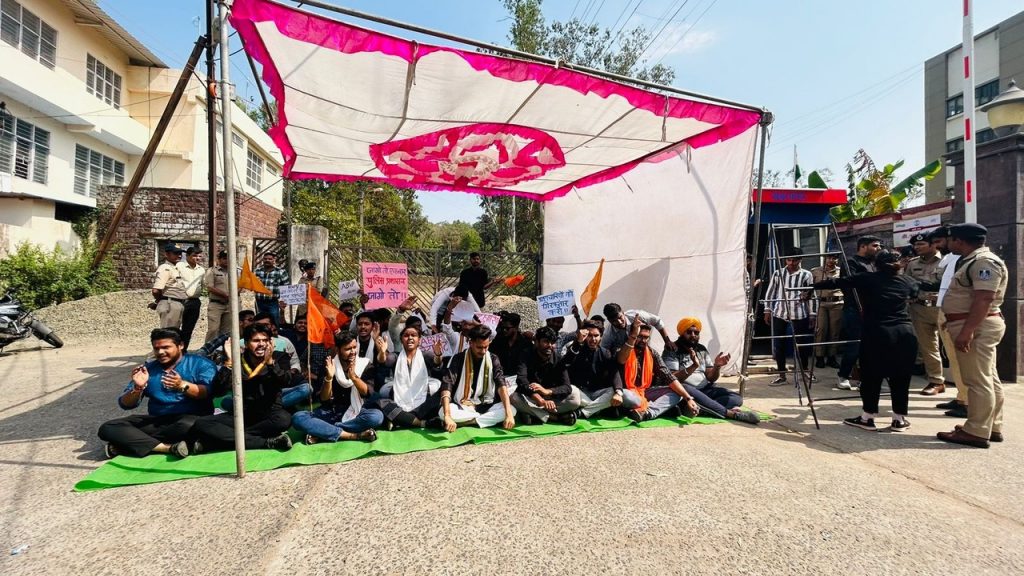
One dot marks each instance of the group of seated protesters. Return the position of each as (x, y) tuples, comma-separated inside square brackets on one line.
[(377, 377)]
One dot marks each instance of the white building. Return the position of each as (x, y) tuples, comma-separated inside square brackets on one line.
[(81, 99)]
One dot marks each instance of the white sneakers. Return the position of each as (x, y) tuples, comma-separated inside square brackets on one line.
[(844, 384)]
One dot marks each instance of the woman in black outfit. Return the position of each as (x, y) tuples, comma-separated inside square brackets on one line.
[(888, 346)]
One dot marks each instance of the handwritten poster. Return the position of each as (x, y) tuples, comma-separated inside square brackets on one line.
[(556, 304), (386, 284), (294, 295), (347, 289), (427, 343), (489, 320)]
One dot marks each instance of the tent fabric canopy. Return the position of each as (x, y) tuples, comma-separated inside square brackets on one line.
[(355, 104)]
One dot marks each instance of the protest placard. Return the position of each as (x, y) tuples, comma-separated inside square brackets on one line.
[(464, 311), (489, 320), (294, 295), (386, 284), (556, 304), (347, 289), (427, 343)]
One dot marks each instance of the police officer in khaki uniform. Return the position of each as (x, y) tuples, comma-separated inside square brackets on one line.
[(924, 314), (830, 314), (971, 307), (192, 273), (218, 317), (169, 289)]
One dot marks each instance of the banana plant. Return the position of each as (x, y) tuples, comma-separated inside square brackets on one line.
[(871, 190)]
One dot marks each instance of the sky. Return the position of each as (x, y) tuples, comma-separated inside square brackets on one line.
[(838, 76)]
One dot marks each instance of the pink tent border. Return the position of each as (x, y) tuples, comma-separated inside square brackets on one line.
[(348, 39)]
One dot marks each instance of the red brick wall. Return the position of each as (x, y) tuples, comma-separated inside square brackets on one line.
[(158, 214)]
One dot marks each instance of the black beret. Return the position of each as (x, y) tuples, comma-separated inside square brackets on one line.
[(968, 231), (919, 237)]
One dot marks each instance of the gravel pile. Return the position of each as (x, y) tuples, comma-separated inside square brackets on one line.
[(525, 307), (117, 316)]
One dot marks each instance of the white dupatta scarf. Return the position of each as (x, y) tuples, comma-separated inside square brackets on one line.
[(412, 384), (483, 392), (356, 403)]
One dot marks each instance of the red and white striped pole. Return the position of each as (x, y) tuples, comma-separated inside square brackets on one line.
[(970, 156)]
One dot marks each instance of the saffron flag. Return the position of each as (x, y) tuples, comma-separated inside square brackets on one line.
[(336, 319), (319, 330), (513, 281), (589, 295), (249, 281)]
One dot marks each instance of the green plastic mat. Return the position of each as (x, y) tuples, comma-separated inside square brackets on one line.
[(125, 471)]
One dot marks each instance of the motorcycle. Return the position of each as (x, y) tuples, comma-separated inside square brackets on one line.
[(16, 323)]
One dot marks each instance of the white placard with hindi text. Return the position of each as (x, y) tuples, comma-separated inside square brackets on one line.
[(294, 295), (556, 304), (347, 289), (427, 343), (489, 320)]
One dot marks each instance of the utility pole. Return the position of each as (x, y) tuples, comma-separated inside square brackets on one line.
[(970, 146)]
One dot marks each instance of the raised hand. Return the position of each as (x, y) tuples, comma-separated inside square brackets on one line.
[(438, 348), (329, 367), (581, 335), (722, 359), (634, 329), (408, 304), (228, 347), (140, 377), (171, 380)]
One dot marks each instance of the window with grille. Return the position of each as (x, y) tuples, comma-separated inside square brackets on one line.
[(102, 82), (254, 171), (93, 170), (24, 149), (24, 30)]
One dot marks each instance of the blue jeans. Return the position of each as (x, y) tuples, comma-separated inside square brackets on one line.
[(713, 399), (290, 397), (270, 306), (326, 424), (655, 407)]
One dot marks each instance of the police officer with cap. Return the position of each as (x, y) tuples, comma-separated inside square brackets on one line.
[(219, 311), (923, 313), (309, 276), (169, 289), (971, 308), (939, 238)]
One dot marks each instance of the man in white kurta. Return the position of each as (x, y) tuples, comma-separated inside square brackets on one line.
[(473, 389)]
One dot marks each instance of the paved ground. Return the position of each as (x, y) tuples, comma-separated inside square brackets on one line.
[(781, 498)]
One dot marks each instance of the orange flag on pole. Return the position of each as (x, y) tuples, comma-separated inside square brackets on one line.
[(249, 281), (335, 319), (589, 295), (319, 329)]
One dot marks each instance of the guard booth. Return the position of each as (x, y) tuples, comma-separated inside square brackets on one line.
[(794, 206)]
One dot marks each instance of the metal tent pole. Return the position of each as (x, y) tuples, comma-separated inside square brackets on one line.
[(226, 95), (765, 122), (211, 134)]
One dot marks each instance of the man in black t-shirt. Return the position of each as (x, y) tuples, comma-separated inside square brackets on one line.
[(476, 279)]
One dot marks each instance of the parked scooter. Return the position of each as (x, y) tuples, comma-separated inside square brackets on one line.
[(16, 323)]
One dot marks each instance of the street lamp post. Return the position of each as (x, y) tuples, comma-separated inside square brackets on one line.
[(1006, 111)]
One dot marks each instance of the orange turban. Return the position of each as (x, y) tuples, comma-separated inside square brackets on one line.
[(686, 323)]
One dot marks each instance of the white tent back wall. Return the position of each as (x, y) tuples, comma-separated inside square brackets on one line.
[(672, 234)]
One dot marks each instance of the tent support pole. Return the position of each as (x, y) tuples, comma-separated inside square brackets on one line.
[(765, 122), (518, 54), (227, 91)]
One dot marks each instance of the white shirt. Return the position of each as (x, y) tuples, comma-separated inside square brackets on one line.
[(948, 264), (192, 277)]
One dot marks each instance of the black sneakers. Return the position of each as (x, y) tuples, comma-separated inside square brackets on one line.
[(899, 426), (861, 423), (179, 449), (280, 442), (746, 416), (109, 451)]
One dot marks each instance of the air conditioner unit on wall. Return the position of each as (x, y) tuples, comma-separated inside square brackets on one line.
[(6, 183)]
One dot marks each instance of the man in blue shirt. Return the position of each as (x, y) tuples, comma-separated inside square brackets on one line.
[(178, 386)]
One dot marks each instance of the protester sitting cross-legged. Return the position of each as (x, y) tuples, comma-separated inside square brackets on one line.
[(543, 390), (509, 343), (413, 395), (470, 385), (178, 387), (298, 389), (264, 374), (343, 413), (649, 383), (594, 371), (692, 364)]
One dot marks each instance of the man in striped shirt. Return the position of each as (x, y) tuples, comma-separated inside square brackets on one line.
[(786, 305)]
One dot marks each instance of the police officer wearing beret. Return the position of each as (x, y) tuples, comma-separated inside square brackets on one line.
[(169, 289), (971, 307), (924, 314), (939, 238)]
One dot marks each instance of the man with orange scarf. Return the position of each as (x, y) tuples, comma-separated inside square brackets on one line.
[(647, 380)]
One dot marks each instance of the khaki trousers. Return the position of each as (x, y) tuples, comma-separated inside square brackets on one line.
[(978, 369), (218, 319), (826, 328), (926, 328), (170, 313), (954, 364)]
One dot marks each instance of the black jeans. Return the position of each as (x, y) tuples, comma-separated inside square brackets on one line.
[(804, 335), (217, 432), (887, 352), (189, 318), (138, 434)]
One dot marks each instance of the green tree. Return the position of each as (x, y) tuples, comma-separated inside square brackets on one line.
[(872, 191), (517, 225), (393, 216)]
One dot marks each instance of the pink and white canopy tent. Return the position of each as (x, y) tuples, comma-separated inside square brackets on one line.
[(626, 167)]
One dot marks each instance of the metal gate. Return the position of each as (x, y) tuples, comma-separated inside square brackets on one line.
[(432, 270), (279, 246)]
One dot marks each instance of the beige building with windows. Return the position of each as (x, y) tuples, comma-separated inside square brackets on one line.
[(81, 98), (998, 58)]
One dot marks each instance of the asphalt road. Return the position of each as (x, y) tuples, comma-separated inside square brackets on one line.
[(780, 498)]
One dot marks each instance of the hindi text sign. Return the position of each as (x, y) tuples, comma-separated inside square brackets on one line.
[(427, 343), (386, 284), (556, 304), (294, 295)]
